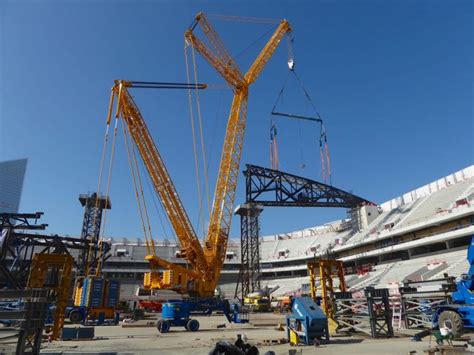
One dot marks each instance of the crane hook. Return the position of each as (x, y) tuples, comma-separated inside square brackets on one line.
[(291, 64)]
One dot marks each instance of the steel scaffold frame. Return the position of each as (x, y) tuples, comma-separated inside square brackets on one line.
[(268, 187)]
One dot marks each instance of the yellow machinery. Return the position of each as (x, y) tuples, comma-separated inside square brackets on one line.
[(257, 302), (205, 263), (59, 267), (325, 278)]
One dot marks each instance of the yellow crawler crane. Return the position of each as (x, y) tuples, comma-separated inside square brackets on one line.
[(205, 264)]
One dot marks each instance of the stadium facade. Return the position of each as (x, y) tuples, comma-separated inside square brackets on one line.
[(12, 175), (419, 235)]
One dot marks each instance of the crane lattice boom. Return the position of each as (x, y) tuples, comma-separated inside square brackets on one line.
[(205, 263), (219, 58)]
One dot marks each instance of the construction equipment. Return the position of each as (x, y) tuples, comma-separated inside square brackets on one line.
[(257, 302), (93, 209), (283, 304), (30, 315), (95, 300), (307, 324), (178, 313), (458, 315), (272, 188), (315, 117), (205, 263), (94, 297), (53, 271), (371, 314), (325, 278)]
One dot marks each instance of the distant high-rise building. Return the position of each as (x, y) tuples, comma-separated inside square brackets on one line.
[(12, 174)]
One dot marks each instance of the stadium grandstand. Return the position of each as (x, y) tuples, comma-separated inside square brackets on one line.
[(421, 235)]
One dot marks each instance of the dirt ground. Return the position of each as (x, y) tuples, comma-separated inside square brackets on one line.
[(147, 340)]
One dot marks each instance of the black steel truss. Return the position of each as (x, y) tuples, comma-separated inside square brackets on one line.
[(249, 275), (18, 248), (93, 208), (267, 187)]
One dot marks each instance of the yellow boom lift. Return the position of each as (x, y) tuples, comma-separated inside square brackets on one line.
[(205, 262)]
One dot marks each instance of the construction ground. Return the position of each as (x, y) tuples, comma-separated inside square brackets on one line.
[(139, 338)]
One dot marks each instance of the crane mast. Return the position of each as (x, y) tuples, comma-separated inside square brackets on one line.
[(202, 275), (219, 58)]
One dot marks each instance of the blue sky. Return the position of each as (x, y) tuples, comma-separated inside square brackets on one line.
[(393, 81)]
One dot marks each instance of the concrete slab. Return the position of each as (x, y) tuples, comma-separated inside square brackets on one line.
[(179, 341)]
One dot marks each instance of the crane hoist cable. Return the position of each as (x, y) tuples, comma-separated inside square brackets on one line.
[(324, 138), (145, 208), (203, 150), (99, 183), (104, 219), (94, 223), (157, 210), (126, 110), (259, 20), (273, 146), (300, 145), (255, 42), (201, 139), (193, 131), (213, 134), (144, 218), (323, 142)]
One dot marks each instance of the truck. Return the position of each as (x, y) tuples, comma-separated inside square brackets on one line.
[(257, 302), (98, 316)]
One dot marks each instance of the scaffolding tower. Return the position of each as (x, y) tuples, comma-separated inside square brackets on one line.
[(93, 207), (249, 274)]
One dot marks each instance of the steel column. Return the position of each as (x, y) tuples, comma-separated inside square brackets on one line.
[(249, 274)]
